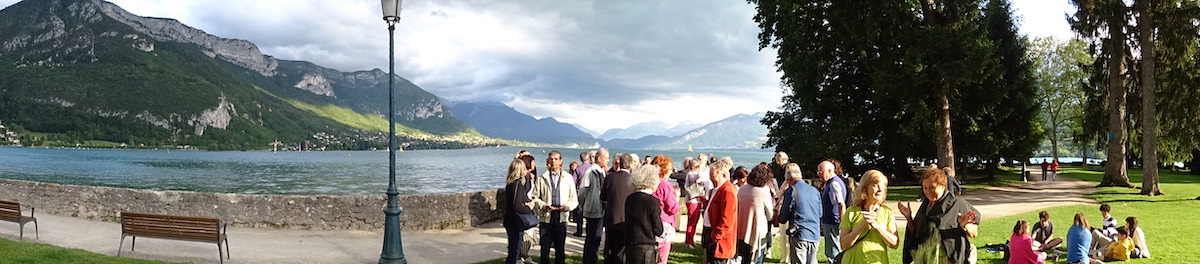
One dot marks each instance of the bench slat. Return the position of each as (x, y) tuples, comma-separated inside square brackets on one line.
[(170, 226)]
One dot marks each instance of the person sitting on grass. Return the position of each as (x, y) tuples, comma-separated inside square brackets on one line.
[(1119, 250), (1043, 233), (1079, 241), (1107, 233), (1021, 247), (1139, 238)]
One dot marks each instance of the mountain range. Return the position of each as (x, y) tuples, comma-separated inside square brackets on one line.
[(652, 128), (85, 71), (89, 70), (497, 120)]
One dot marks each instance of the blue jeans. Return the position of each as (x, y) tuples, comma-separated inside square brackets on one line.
[(593, 229), (832, 244)]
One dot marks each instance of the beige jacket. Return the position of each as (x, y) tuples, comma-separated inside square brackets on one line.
[(541, 194)]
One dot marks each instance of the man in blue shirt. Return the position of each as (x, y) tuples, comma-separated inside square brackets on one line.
[(801, 209), (833, 203)]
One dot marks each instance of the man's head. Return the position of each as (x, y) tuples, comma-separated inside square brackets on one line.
[(554, 161), (602, 157), (1043, 216), (793, 172), (1122, 232), (825, 170), (781, 158), (1105, 209), (719, 174), (626, 161), (584, 157)]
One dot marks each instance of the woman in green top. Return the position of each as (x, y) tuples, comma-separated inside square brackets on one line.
[(869, 218)]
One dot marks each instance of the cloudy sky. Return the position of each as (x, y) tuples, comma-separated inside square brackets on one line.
[(599, 63)]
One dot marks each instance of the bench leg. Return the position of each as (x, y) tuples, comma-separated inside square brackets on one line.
[(227, 254), (35, 230), (121, 245), (133, 244), (220, 254), (22, 231)]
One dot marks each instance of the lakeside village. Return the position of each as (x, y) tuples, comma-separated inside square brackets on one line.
[(13, 135)]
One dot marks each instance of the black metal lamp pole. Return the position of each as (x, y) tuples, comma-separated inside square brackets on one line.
[(393, 248)]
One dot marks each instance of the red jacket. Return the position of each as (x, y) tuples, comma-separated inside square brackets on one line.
[(723, 213)]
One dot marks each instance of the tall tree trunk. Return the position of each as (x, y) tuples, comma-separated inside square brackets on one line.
[(1053, 135), (1149, 123), (1114, 171), (944, 141)]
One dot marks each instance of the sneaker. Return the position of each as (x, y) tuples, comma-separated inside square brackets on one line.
[(530, 261), (578, 234)]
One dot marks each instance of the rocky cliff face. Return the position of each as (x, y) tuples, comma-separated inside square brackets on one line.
[(236, 51)]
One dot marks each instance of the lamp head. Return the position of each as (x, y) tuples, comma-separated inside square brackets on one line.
[(391, 10)]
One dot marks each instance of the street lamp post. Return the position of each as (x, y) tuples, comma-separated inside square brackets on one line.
[(393, 248)]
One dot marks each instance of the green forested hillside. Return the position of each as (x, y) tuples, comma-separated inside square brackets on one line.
[(71, 72)]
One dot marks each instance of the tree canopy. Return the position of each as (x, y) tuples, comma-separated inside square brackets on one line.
[(867, 81)]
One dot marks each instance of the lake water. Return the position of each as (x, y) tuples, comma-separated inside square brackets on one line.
[(317, 172)]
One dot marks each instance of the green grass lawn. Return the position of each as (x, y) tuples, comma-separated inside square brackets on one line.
[(33, 253)]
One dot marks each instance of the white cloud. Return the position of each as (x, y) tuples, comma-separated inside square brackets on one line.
[(600, 63)]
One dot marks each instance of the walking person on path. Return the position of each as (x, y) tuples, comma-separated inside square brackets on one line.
[(554, 195), (833, 203)]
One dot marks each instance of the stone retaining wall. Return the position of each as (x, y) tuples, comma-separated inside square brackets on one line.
[(315, 212)]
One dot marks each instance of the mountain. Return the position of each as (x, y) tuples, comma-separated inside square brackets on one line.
[(89, 70), (593, 133), (655, 128), (736, 132), (497, 120)]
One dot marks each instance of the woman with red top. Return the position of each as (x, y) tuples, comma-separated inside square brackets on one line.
[(722, 212)]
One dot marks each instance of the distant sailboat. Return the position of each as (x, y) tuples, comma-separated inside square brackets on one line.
[(690, 148)]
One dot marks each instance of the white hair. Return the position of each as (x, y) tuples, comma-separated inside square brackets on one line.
[(645, 177)]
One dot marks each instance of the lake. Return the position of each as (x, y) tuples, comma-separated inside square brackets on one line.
[(305, 173)]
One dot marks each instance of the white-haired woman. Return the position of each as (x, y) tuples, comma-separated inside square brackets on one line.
[(642, 218)]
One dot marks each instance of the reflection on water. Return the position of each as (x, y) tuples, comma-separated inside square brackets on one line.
[(327, 172)]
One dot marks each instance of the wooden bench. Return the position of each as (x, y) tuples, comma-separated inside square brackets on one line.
[(198, 229), (11, 212)]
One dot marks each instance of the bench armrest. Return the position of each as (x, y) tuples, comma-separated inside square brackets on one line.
[(224, 227), (28, 208)]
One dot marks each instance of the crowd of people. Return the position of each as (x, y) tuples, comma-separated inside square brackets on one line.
[(630, 204)]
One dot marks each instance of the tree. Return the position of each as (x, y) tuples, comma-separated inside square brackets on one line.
[(1149, 119), (1105, 21), (1061, 77), (874, 80)]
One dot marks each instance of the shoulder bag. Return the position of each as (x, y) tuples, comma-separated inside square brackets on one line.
[(528, 220)]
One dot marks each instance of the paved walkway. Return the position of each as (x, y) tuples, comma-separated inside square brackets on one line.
[(482, 243)]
